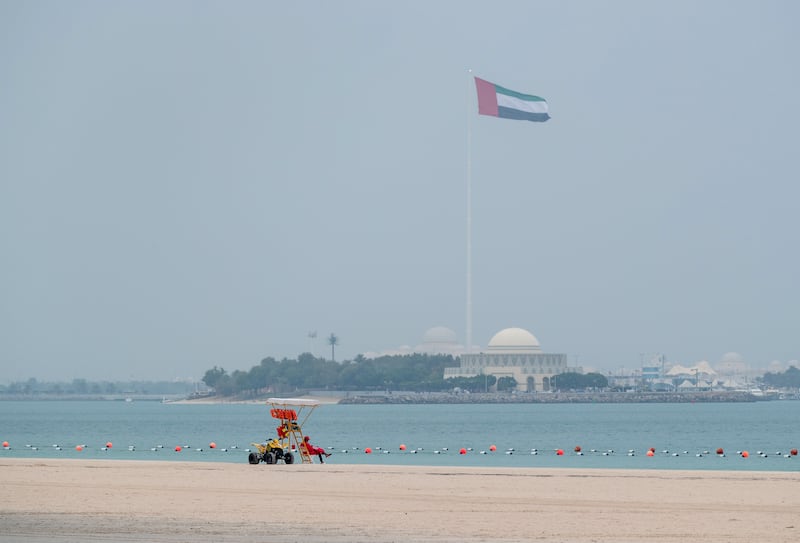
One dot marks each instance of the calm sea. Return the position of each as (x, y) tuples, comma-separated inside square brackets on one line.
[(685, 436)]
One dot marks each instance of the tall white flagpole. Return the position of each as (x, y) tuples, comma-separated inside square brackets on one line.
[(469, 212)]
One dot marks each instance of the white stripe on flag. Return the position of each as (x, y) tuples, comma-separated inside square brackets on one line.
[(504, 100)]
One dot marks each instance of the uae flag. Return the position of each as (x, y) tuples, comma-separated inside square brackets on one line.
[(500, 102)]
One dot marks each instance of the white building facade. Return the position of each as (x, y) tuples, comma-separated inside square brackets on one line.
[(514, 352)]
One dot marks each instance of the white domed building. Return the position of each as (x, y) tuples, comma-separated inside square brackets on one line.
[(513, 352)]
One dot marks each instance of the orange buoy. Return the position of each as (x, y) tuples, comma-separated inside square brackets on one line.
[(793, 452), (720, 451), (212, 445), (78, 448), (367, 451), (462, 451), (402, 447), (493, 448), (5, 444), (650, 453), (745, 454), (577, 448), (560, 452), (178, 448)]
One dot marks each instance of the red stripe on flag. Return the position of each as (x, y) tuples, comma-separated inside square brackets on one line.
[(487, 97)]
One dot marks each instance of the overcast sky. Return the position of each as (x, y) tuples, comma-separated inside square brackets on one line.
[(190, 184)]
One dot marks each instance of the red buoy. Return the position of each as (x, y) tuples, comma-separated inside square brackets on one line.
[(402, 447), (367, 451), (650, 453), (78, 448), (5, 444), (793, 452), (462, 451), (720, 451), (493, 448), (178, 448), (745, 454), (560, 452), (212, 445), (577, 448), (109, 444)]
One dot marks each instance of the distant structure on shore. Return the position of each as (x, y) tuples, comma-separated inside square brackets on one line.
[(514, 352)]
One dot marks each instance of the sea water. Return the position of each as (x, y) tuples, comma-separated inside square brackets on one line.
[(684, 435)]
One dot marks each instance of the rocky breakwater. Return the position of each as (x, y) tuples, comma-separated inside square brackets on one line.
[(550, 397)]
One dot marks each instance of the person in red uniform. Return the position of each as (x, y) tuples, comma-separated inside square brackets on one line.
[(311, 449)]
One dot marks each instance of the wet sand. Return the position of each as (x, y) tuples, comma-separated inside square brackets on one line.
[(116, 500)]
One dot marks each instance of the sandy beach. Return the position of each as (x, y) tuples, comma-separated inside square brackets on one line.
[(116, 500)]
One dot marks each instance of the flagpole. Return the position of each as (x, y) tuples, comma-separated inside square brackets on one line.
[(469, 215)]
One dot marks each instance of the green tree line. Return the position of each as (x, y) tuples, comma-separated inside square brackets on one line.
[(788, 379), (415, 372)]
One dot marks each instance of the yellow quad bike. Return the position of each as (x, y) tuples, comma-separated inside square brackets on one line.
[(271, 452), (291, 414)]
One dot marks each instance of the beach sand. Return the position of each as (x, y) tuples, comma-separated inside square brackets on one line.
[(116, 500)]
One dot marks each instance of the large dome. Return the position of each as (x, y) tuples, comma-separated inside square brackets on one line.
[(514, 340)]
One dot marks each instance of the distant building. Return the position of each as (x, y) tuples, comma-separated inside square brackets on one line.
[(516, 353)]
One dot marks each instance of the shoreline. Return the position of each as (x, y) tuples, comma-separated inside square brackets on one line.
[(112, 500)]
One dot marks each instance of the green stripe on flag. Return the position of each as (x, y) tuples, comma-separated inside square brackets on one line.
[(515, 94)]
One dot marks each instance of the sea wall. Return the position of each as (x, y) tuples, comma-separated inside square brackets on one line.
[(555, 397)]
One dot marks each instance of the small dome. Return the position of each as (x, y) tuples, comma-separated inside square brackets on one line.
[(439, 334), (514, 340)]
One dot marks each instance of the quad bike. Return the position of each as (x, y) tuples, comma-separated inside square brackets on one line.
[(270, 453)]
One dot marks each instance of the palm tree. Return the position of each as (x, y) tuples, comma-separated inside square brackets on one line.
[(333, 341)]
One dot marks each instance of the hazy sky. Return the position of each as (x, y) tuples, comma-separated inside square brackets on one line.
[(190, 184)]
